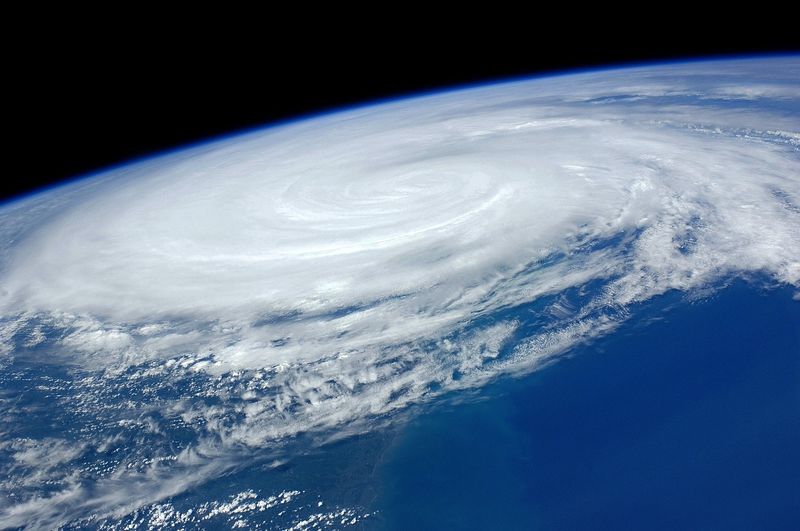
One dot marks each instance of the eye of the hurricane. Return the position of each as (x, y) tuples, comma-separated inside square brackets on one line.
[(386, 208)]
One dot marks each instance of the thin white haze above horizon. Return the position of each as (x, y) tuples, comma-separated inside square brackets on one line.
[(356, 263)]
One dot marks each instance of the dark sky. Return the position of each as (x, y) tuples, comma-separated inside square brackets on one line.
[(81, 101)]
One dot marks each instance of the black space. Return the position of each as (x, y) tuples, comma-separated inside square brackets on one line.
[(81, 101)]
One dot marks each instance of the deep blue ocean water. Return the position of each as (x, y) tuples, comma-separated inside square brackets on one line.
[(685, 418)]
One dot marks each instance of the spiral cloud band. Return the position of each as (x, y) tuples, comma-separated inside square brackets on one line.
[(315, 276)]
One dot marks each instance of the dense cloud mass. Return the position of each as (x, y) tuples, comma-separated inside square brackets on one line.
[(318, 276)]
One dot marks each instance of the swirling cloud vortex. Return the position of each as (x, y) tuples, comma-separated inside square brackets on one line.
[(368, 259)]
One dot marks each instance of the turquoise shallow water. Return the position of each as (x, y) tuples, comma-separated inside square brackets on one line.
[(686, 418)]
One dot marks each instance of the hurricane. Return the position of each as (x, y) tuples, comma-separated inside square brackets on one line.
[(217, 306)]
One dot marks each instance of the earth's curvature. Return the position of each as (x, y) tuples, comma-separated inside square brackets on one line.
[(254, 332)]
